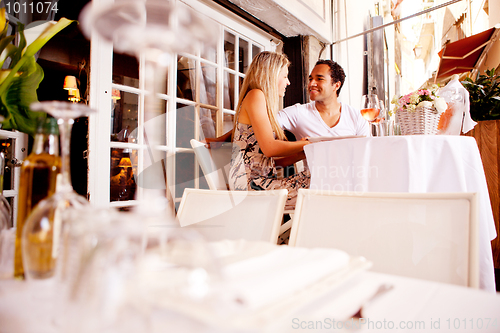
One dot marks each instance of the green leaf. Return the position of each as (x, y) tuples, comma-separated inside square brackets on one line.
[(18, 86), (33, 48), (15, 102)]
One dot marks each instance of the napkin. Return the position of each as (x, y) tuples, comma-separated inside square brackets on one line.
[(273, 276)]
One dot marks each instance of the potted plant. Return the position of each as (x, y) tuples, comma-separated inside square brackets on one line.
[(484, 95), (22, 75)]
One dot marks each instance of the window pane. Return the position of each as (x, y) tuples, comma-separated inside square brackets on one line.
[(227, 122), (186, 78), (208, 121), (255, 50), (125, 70), (123, 115), (122, 182), (7, 146), (243, 56), (185, 125), (158, 124), (208, 84), (229, 53), (228, 90), (209, 52), (184, 172)]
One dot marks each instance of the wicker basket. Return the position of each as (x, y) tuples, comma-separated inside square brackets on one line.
[(422, 121)]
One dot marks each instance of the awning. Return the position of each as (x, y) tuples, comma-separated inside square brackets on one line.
[(464, 54)]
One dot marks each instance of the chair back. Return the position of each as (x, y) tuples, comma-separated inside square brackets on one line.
[(218, 215), (214, 162), (431, 236)]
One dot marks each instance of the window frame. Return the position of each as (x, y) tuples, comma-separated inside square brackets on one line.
[(101, 86)]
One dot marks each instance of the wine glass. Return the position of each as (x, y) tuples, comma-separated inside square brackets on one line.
[(41, 234), (370, 107)]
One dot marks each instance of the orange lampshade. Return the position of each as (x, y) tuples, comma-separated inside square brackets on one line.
[(125, 163), (74, 95), (70, 82)]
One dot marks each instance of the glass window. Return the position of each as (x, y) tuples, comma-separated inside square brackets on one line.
[(208, 123), (125, 70), (229, 91), (243, 56), (124, 114), (122, 180), (186, 78), (199, 99), (255, 50), (185, 125), (208, 84), (229, 47)]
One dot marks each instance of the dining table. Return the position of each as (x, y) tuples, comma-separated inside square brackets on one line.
[(265, 288), (409, 163)]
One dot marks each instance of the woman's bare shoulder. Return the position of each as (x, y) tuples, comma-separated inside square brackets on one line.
[(254, 96)]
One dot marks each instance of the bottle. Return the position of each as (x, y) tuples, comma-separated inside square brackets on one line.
[(38, 179)]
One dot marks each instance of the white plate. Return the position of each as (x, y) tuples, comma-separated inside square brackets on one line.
[(330, 138)]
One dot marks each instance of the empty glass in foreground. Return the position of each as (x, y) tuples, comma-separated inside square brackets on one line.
[(41, 233)]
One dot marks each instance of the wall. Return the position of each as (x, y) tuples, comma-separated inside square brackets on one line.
[(351, 18), (493, 57)]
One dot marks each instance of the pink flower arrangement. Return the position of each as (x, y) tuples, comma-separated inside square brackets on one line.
[(421, 98)]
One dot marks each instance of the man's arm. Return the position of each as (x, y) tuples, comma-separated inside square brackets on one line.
[(289, 160)]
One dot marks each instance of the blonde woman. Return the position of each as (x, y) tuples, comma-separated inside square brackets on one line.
[(259, 144)]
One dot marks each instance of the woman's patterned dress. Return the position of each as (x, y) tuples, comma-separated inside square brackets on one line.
[(251, 170)]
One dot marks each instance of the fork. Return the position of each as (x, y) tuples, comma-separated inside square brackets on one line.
[(383, 288)]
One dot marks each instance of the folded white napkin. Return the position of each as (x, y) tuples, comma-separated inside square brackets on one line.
[(270, 277)]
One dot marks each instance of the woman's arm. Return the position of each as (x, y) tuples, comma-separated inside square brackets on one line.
[(254, 107), (223, 138)]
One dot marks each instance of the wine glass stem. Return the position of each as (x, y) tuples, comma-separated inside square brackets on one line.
[(155, 126), (65, 126)]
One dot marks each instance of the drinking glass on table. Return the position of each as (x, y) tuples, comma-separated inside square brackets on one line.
[(370, 107)]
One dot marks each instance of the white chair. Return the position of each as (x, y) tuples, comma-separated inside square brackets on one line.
[(215, 162), (432, 236), (218, 215)]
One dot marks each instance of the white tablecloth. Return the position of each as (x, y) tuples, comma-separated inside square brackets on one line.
[(412, 305), (420, 163)]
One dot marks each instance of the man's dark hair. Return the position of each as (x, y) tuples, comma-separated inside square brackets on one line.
[(336, 72)]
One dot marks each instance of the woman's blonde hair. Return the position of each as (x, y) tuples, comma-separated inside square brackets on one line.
[(263, 74)]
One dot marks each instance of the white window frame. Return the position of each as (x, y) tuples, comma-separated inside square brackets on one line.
[(100, 98)]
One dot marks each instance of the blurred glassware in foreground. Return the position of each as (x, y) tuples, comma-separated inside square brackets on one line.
[(113, 269), (38, 179), (41, 233)]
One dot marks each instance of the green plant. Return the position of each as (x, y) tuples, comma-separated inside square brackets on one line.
[(20, 80), (484, 95)]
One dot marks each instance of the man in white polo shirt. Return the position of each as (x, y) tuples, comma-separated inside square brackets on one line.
[(325, 115)]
